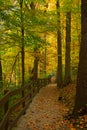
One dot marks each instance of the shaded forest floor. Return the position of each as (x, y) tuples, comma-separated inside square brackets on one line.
[(68, 99), (47, 112)]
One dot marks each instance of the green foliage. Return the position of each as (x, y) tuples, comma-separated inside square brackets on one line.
[(38, 26), (29, 1), (71, 5), (40, 29)]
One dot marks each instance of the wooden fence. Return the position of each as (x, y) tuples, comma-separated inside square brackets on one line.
[(20, 105)]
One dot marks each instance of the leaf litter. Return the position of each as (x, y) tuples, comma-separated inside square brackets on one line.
[(45, 112), (68, 93)]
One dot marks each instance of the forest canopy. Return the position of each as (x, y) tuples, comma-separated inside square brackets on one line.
[(28, 38)]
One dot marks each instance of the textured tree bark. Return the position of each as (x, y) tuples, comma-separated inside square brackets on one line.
[(67, 78), (81, 87), (59, 45)]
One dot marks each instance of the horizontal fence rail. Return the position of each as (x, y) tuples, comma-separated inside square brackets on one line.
[(20, 105)]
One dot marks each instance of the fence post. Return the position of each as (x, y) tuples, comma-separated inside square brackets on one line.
[(23, 104), (37, 86), (6, 105), (44, 82), (30, 89), (39, 83)]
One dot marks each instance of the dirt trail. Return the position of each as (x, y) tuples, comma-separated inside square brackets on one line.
[(45, 112)]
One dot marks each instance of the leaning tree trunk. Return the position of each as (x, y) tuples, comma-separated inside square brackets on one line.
[(81, 88), (67, 78), (59, 45)]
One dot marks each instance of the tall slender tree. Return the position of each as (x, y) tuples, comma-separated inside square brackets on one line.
[(22, 45), (22, 40), (67, 78), (34, 74), (45, 49), (81, 87), (59, 45), (45, 59), (1, 80)]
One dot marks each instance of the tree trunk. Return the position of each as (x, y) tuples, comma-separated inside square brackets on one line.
[(67, 78), (81, 88), (1, 80), (59, 45), (22, 41), (45, 60), (45, 56), (22, 47), (34, 73)]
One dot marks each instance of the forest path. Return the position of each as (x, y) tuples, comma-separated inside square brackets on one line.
[(45, 112)]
